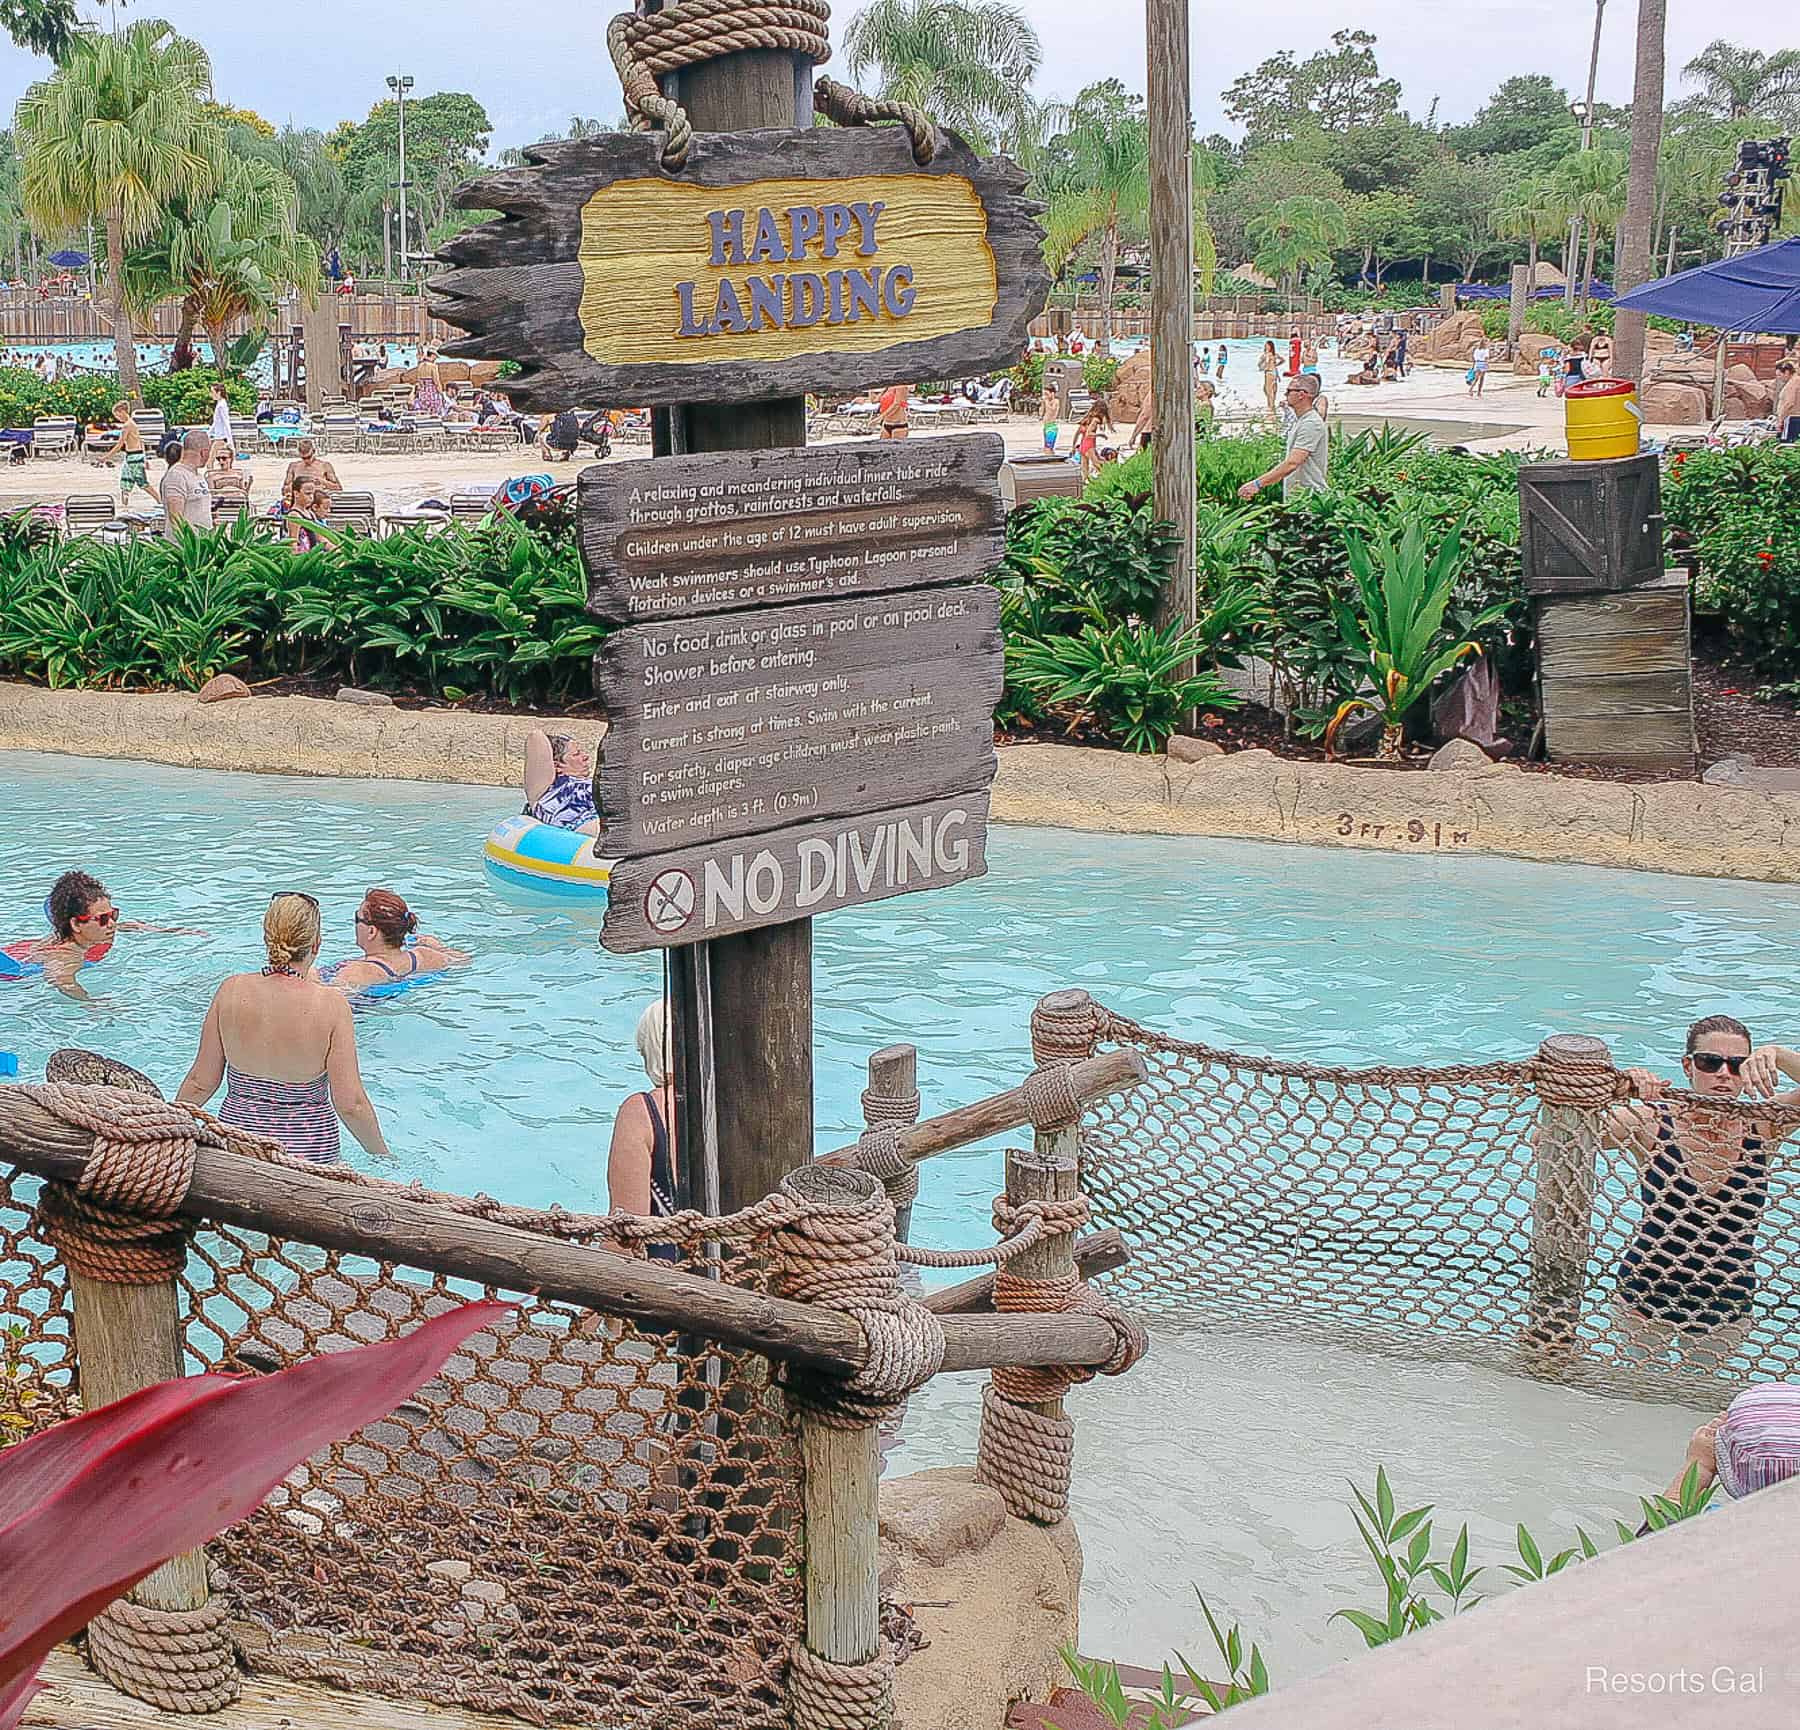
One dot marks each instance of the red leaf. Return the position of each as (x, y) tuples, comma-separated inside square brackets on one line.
[(15, 1696), (115, 1493)]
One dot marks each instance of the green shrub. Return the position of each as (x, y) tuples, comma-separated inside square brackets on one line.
[(496, 609), (1099, 373), (22, 395), (1028, 375), (1548, 317), (1222, 465), (185, 398)]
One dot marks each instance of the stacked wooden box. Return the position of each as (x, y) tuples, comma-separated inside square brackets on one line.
[(1615, 655)]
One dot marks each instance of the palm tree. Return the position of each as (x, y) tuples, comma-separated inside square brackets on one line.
[(118, 132), (1737, 82), (368, 201), (47, 27), (968, 63), (229, 253), (1594, 185), (1101, 187), (1296, 233), (1632, 264)]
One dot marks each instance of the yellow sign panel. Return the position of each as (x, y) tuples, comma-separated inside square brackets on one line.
[(772, 270)]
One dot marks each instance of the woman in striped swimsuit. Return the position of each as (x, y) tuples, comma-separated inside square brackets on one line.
[(285, 1047)]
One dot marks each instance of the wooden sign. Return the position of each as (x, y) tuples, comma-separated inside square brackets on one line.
[(705, 892), (773, 264), (741, 723), (711, 534)]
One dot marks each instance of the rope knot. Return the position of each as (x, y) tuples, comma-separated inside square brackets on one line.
[(1066, 1027), (119, 1222), (844, 1696), (176, 1660), (1585, 1084), (1051, 1101)]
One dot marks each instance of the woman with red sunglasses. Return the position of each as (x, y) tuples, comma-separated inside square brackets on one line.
[(1688, 1276), (84, 925)]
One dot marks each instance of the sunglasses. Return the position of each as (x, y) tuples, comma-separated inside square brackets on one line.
[(1711, 1062), (300, 893), (111, 917)]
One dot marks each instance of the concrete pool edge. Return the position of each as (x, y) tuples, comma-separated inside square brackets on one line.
[(1683, 827)]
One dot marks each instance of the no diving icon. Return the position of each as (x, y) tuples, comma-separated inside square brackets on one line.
[(669, 901)]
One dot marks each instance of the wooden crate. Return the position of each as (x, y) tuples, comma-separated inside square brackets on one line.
[(1590, 525), (1616, 677)]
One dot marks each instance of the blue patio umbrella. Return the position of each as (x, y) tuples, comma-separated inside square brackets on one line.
[(1756, 291), (69, 260)]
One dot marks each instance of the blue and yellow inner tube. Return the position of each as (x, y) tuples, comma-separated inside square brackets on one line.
[(523, 853)]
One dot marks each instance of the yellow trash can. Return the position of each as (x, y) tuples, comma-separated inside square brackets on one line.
[(1603, 419)]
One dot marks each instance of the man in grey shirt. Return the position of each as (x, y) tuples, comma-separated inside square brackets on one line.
[(186, 496), (1303, 468)]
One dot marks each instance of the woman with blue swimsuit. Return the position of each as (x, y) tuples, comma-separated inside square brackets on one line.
[(394, 949), (559, 783)]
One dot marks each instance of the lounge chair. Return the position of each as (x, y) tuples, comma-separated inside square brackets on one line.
[(84, 513)]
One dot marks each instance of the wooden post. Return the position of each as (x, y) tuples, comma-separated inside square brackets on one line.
[(1568, 1138), (128, 1337), (1172, 293), (841, 1502), (761, 981), (1521, 292), (894, 1075)]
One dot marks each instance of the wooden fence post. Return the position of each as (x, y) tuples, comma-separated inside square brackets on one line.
[(128, 1337), (840, 1502), (892, 1096), (1573, 1098)]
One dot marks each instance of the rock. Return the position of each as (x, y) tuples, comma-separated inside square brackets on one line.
[(222, 687), (1532, 344), (310, 1524), (1675, 405), (1738, 771), (995, 1615), (1459, 754), (484, 1591), (449, 1568), (935, 1516), (1185, 750), (1752, 401), (365, 699), (1131, 390), (1457, 338)]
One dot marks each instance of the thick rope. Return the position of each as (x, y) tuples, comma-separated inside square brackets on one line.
[(118, 1224), (1027, 1456), (1067, 1034), (647, 47), (879, 1150), (843, 106), (176, 1660), (828, 1696), (843, 1259), (1051, 1101)]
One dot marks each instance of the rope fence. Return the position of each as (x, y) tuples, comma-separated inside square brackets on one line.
[(1499, 1214), (584, 1517)]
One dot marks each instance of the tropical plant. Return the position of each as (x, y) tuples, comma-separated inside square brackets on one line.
[(1531, 209), (1097, 177), (1247, 1678), (229, 252), (1136, 681), (1397, 627), (90, 1506), (1736, 82), (1295, 234), (968, 63), (47, 27), (1593, 185), (118, 131)]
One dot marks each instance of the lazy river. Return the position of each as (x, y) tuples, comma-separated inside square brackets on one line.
[(1220, 1464)]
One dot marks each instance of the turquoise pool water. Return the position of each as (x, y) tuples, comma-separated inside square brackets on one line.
[(1219, 1464), (505, 1076)]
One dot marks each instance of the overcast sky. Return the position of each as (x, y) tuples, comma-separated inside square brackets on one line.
[(533, 63)]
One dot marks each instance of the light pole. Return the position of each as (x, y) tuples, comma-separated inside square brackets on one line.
[(400, 84)]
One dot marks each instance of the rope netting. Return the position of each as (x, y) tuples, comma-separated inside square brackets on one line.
[(1402, 1209)]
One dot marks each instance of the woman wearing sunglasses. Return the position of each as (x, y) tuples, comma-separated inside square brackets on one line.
[(84, 925), (1688, 1276), (285, 1047)]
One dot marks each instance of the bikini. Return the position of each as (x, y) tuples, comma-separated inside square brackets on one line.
[(1692, 1262)]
